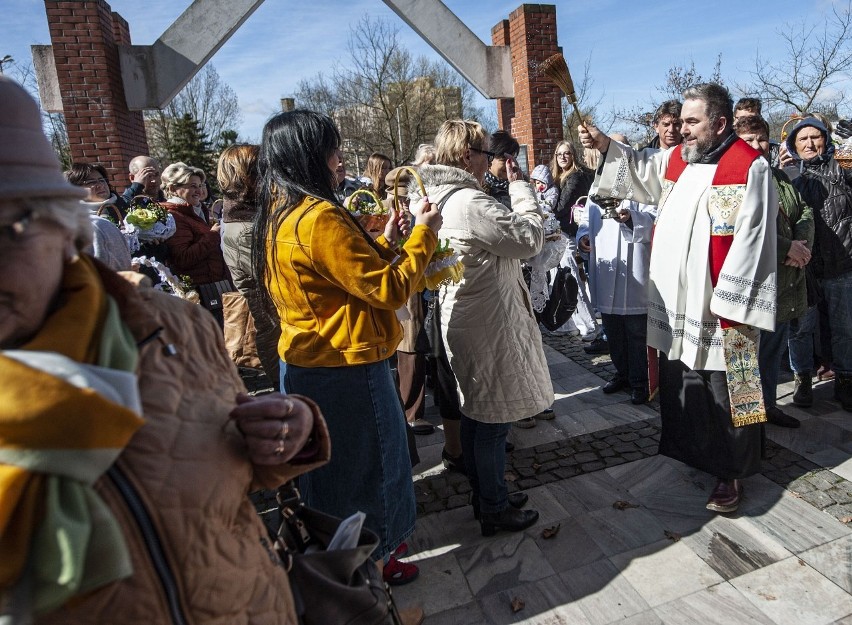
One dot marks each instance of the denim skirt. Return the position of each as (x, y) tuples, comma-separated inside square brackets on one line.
[(370, 469)]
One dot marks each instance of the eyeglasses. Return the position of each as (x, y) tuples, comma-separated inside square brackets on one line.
[(563, 154), (490, 155), (15, 230), (94, 182)]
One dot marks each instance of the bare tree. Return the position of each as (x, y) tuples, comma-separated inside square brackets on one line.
[(637, 121), (53, 123), (590, 108), (815, 60), (206, 99), (384, 99)]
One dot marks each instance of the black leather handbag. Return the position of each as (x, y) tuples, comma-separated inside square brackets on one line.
[(343, 586), (562, 302)]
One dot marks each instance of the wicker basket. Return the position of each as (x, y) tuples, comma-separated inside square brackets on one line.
[(844, 159), (374, 221)]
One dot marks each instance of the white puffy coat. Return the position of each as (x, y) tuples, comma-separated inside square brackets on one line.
[(491, 336)]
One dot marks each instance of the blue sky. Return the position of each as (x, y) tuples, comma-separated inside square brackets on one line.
[(632, 44)]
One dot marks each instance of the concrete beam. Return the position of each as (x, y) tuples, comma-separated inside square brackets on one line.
[(154, 74), (487, 68), (48, 82)]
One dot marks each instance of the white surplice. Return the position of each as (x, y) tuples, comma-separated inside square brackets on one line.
[(683, 307)]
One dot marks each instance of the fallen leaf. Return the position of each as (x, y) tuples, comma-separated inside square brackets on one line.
[(802, 562), (846, 519), (550, 532), (511, 477), (795, 494), (517, 604), (623, 505), (536, 466), (767, 596), (673, 536)]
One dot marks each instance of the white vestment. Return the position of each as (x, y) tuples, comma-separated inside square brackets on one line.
[(618, 267), (683, 306)]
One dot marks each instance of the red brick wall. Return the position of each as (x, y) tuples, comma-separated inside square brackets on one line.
[(85, 35), (534, 115)]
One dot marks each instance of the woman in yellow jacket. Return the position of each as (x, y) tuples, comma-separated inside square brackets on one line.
[(336, 291)]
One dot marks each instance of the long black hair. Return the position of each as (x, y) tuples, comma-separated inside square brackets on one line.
[(292, 164)]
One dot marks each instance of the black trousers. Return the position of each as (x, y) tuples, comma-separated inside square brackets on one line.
[(695, 411)]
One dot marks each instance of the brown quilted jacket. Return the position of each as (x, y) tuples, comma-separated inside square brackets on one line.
[(187, 467)]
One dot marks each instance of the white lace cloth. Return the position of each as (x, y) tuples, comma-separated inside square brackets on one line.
[(548, 258)]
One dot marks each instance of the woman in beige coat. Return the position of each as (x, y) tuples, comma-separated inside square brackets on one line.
[(487, 323)]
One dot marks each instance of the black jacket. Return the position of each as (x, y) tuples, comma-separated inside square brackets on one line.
[(827, 188), (573, 187)]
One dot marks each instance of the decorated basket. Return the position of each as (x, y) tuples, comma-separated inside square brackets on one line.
[(149, 220), (445, 266), (843, 154), (369, 210)]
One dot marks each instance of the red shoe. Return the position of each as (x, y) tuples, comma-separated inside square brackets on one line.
[(726, 496), (397, 573), (401, 551)]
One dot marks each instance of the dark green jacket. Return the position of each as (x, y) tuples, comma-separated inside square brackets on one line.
[(795, 222)]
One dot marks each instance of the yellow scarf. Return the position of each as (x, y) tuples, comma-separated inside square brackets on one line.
[(56, 439)]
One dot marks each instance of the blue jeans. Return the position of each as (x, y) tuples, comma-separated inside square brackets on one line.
[(484, 450), (837, 293), (769, 360), (370, 469), (801, 341), (628, 347)]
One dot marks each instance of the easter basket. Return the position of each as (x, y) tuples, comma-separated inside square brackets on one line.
[(445, 266), (369, 210)]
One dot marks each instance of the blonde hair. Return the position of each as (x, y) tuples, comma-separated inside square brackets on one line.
[(558, 175), (177, 174), (236, 172), (373, 171), (454, 137), (424, 155)]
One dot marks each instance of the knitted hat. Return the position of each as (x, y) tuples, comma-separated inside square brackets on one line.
[(28, 165), (813, 122), (542, 173)]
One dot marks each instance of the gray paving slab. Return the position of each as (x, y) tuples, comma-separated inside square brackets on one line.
[(635, 544)]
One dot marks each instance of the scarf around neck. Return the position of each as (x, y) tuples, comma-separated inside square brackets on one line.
[(63, 422)]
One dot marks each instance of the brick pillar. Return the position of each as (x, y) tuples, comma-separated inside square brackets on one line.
[(534, 116), (85, 35)]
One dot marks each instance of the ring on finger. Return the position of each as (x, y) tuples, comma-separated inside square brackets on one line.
[(284, 431)]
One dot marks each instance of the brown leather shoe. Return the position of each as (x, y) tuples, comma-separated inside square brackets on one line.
[(411, 616), (726, 496)]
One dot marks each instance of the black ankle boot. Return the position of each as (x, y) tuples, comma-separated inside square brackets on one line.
[(516, 500), (510, 519), (453, 463)]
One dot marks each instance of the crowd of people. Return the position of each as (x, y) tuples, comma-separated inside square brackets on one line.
[(705, 253)]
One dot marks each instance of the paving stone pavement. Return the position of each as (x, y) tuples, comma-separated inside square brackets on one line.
[(563, 459), (623, 535)]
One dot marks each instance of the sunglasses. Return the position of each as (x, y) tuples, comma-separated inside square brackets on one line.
[(490, 155)]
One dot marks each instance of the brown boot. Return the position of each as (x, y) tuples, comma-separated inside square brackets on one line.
[(803, 394), (411, 616)]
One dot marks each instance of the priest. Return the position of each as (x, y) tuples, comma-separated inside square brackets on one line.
[(711, 282)]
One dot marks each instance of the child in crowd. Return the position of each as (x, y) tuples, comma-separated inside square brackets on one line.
[(545, 191)]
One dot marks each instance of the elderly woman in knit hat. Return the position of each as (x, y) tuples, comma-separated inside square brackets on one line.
[(827, 189), (127, 448)]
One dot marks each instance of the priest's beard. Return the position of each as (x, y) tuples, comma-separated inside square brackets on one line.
[(702, 147)]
